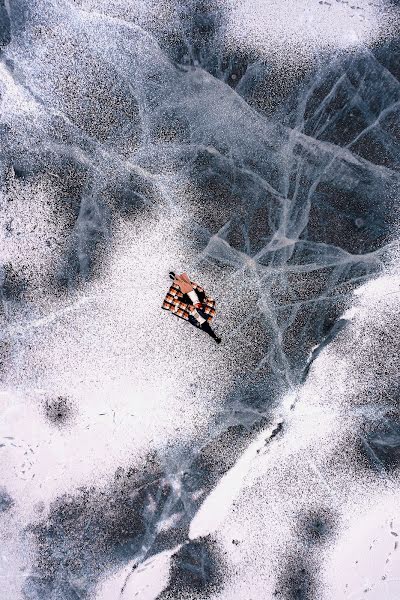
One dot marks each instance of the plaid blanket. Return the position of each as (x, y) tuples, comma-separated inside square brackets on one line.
[(180, 305)]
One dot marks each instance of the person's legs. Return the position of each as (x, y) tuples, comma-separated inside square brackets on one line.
[(207, 328)]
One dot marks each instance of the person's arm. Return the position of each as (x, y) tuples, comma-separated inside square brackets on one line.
[(183, 282), (200, 290)]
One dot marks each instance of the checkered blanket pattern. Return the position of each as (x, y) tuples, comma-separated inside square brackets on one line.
[(174, 302)]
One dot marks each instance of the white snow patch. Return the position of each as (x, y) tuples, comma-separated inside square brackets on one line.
[(137, 378), (145, 582), (366, 556), (293, 30)]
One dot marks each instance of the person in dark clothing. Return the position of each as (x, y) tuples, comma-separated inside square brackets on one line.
[(188, 300)]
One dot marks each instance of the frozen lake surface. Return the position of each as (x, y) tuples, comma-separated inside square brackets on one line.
[(254, 145)]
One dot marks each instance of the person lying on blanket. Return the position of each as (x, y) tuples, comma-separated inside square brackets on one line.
[(188, 300)]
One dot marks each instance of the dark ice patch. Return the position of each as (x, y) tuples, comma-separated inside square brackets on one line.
[(5, 27), (343, 98), (195, 571), (374, 147), (5, 356), (59, 411), (171, 127), (381, 446), (66, 181), (91, 92), (277, 430), (20, 172), (191, 41), (297, 580), (251, 400), (93, 530), (130, 194), (388, 54), (334, 210), (215, 458), (317, 526), (265, 86), (6, 502), (14, 282)]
